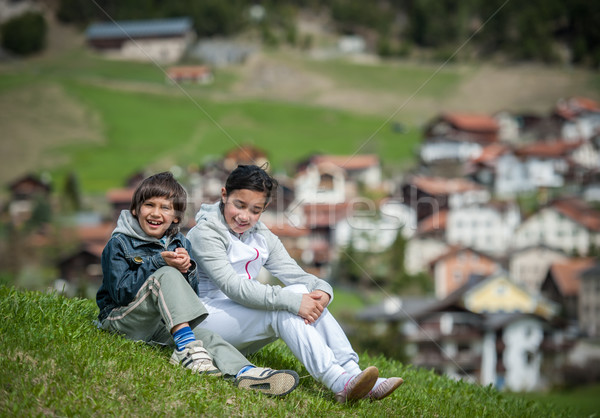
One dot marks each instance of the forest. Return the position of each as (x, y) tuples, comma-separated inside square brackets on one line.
[(548, 31)]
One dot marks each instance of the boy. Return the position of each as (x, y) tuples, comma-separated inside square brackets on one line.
[(148, 290)]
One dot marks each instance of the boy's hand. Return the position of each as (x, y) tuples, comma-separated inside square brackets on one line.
[(179, 259)]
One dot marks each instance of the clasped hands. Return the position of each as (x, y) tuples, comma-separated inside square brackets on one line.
[(179, 259), (312, 305)]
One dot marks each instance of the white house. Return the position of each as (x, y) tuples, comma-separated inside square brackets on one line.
[(568, 224), (521, 336), (439, 149), (324, 183), (511, 176), (420, 251), (581, 118), (529, 266), (400, 216), (161, 40), (483, 227), (376, 231), (508, 127)]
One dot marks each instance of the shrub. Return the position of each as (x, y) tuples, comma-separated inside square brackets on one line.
[(24, 34)]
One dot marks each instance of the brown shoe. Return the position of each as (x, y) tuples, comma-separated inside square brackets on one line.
[(385, 388), (359, 386)]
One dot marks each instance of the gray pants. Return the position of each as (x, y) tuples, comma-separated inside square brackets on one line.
[(165, 300)]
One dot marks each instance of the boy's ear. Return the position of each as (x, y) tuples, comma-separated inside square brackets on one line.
[(223, 194), (176, 220), (133, 212)]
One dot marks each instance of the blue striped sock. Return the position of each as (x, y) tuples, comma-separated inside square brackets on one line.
[(183, 337), (244, 370)]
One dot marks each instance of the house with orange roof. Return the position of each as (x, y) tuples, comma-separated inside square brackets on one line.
[(363, 169), (428, 195), (457, 137), (529, 266), (245, 154), (486, 227), (320, 220), (192, 74), (470, 127), (579, 116), (509, 171), (546, 162), (25, 191), (119, 199), (569, 224), (80, 269), (453, 269), (562, 284)]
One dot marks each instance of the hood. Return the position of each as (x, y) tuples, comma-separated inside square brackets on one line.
[(209, 212), (127, 224)]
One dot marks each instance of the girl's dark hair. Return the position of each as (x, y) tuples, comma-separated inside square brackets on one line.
[(251, 177), (161, 185)]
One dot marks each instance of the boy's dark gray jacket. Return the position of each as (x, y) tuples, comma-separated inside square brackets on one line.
[(129, 258)]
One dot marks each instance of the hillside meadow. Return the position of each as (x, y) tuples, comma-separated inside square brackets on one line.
[(55, 362), (73, 111)]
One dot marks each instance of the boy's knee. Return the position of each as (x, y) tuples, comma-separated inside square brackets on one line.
[(167, 272)]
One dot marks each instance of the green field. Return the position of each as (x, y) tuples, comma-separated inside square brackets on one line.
[(144, 123), (74, 111)]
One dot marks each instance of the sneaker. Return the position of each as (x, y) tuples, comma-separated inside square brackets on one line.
[(385, 388), (359, 386), (196, 358), (268, 381)]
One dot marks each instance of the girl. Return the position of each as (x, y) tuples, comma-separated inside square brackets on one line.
[(148, 290), (231, 245)]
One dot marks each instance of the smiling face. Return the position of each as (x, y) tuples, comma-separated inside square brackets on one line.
[(243, 208), (156, 216)]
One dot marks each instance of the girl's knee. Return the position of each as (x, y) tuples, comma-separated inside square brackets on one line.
[(296, 288)]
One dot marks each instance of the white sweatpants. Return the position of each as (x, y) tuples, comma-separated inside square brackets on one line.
[(322, 347)]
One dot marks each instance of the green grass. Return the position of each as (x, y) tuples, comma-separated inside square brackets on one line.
[(433, 81), (584, 401), (147, 123), (56, 362), (144, 129)]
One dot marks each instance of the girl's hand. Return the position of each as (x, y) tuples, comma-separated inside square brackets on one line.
[(310, 308), (179, 259), (322, 297)]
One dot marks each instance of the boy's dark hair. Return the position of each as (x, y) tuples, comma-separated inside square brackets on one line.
[(251, 177), (161, 185)]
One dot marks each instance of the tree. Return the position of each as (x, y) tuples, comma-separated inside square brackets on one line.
[(72, 193), (24, 34)]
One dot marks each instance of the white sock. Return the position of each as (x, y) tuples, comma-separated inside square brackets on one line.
[(341, 381), (380, 380)]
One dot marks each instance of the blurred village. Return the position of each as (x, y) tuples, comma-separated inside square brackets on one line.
[(488, 249)]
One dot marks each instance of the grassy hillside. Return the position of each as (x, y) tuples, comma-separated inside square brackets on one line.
[(55, 362), (70, 110)]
